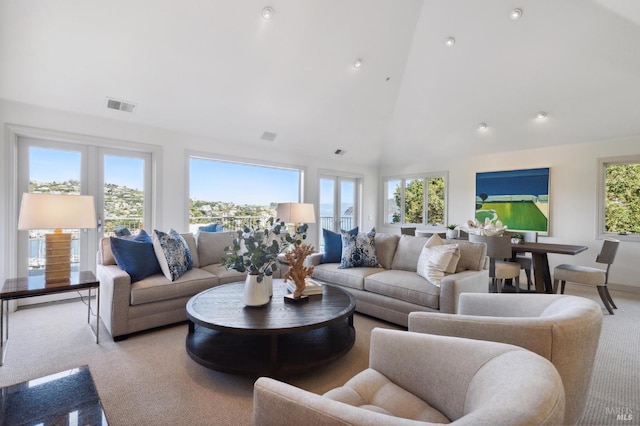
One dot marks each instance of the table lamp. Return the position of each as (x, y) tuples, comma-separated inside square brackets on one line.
[(56, 211), (296, 213)]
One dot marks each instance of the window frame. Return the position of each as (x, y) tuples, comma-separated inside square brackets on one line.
[(403, 181), (601, 197), (240, 161)]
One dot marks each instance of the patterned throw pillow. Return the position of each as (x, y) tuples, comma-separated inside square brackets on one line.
[(359, 250), (173, 254), (433, 262)]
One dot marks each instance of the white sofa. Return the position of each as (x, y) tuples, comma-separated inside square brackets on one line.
[(129, 307), (394, 289)]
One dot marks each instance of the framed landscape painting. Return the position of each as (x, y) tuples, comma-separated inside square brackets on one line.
[(518, 198)]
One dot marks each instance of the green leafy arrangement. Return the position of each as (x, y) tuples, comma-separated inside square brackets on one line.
[(256, 250)]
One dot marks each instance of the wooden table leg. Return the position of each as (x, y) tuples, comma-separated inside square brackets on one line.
[(542, 275)]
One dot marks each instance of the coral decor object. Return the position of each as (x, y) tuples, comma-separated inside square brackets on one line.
[(297, 271)]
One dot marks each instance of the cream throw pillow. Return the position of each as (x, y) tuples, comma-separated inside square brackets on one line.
[(435, 240), (434, 261)]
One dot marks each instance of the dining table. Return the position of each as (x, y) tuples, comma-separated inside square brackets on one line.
[(539, 253)]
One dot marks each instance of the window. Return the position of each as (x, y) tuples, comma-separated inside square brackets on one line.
[(407, 201), (620, 197), (235, 194)]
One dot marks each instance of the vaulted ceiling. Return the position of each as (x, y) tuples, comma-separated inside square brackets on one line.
[(217, 68)]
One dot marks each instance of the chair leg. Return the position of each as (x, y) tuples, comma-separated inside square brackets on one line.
[(516, 282), (562, 283), (528, 274), (499, 285), (606, 291), (603, 295)]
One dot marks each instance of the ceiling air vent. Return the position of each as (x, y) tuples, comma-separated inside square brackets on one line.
[(120, 105), (339, 152), (269, 136)]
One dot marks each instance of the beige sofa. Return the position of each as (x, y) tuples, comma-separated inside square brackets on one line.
[(128, 307), (394, 289), (422, 379)]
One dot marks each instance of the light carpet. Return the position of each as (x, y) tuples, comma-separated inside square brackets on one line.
[(149, 379)]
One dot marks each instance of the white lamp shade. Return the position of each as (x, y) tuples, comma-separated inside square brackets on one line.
[(296, 213), (54, 211)]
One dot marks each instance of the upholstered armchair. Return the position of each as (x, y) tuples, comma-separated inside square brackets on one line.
[(418, 378), (563, 329)]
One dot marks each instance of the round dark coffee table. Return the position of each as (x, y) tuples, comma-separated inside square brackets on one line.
[(277, 339)]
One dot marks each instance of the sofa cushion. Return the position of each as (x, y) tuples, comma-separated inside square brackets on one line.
[(404, 285), (190, 239), (359, 250), (225, 276), (211, 246), (157, 287), (172, 253), (333, 245), (434, 261), (386, 245), (350, 277), (472, 255), (407, 253), (135, 256)]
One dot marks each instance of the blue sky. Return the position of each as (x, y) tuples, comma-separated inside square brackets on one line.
[(209, 180), (48, 165), (242, 183)]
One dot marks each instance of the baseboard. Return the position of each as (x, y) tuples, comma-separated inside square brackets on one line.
[(616, 287), (625, 288)]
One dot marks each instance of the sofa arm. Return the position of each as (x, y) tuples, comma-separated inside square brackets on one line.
[(115, 296), (278, 404), (534, 334), (314, 259), (453, 285)]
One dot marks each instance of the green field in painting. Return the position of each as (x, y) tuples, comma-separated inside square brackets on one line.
[(520, 215)]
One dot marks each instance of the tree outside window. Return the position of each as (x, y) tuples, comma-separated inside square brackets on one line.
[(622, 198), (407, 203)]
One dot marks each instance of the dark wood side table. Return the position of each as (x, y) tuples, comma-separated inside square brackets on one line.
[(19, 288), (277, 339)]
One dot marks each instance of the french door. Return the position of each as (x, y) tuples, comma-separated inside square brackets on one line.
[(339, 203), (119, 180)]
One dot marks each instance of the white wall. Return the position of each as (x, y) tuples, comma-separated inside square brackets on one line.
[(573, 195), (173, 182)]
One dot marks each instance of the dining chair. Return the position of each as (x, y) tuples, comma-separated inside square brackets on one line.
[(499, 251), (524, 259), (408, 230), (590, 276)]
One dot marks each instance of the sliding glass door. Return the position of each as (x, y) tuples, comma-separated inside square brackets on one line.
[(339, 203)]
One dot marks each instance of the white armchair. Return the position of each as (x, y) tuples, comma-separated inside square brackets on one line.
[(563, 329), (418, 378)]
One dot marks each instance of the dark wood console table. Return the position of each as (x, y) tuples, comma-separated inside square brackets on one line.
[(19, 288), (277, 339)]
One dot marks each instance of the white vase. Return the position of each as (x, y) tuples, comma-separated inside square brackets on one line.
[(254, 292), (268, 285)]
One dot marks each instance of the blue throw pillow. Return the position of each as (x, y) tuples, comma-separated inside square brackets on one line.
[(136, 256), (213, 227), (333, 245)]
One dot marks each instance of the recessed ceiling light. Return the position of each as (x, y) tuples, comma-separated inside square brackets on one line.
[(357, 63), (482, 126), (516, 14), (540, 115), (450, 41), (267, 12)]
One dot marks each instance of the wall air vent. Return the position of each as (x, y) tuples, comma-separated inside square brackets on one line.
[(340, 152), (269, 136), (120, 105)]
